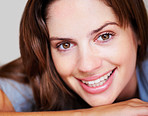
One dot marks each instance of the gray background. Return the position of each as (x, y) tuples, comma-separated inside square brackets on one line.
[(10, 15)]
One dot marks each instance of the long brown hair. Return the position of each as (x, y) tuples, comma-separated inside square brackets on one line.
[(50, 92), (14, 70)]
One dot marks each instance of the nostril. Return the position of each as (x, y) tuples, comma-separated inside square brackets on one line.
[(87, 60), (88, 65)]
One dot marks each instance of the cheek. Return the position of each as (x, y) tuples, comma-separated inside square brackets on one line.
[(124, 56), (124, 50), (64, 64)]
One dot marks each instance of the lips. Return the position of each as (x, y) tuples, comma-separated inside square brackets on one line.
[(99, 81), (98, 84)]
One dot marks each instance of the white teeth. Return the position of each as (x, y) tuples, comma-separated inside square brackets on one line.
[(83, 81), (97, 84), (99, 81), (106, 76), (94, 85), (102, 78), (90, 85), (103, 81), (109, 73), (91, 82)]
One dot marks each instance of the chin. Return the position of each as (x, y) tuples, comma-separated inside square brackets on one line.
[(95, 103)]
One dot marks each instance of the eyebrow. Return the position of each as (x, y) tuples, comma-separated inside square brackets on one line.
[(59, 38), (103, 26), (93, 32)]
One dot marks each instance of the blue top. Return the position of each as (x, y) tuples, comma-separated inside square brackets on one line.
[(142, 78), (19, 94)]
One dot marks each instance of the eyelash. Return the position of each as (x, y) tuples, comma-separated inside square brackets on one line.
[(60, 46), (110, 34)]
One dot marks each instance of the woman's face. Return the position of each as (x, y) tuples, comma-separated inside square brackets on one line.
[(94, 56)]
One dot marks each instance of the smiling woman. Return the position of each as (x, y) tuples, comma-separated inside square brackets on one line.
[(92, 56), (83, 54)]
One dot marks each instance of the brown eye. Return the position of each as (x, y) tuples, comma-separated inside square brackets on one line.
[(66, 45), (105, 36)]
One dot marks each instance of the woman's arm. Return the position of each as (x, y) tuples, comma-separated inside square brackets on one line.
[(134, 107)]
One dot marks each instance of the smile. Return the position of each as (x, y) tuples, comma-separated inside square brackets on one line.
[(98, 84)]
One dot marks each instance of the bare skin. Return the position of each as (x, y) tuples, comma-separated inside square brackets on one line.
[(133, 107), (5, 104)]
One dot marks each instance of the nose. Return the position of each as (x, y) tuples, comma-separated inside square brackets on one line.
[(88, 60)]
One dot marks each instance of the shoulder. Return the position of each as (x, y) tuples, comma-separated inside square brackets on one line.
[(5, 104), (19, 95)]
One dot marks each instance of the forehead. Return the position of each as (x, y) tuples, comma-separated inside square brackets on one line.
[(66, 8), (78, 13)]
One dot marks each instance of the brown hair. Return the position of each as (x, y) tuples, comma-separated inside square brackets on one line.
[(15, 71), (133, 12), (50, 92)]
